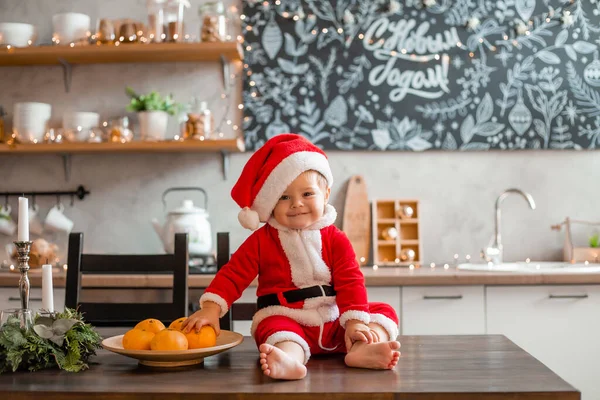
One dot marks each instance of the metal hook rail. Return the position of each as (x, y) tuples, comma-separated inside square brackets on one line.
[(80, 193)]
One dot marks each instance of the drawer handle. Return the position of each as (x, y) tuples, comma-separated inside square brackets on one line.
[(568, 296), (458, 297), (19, 299)]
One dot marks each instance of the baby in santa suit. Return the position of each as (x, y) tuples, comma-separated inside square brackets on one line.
[(311, 293)]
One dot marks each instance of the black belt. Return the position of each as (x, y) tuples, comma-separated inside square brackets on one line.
[(292, 296)]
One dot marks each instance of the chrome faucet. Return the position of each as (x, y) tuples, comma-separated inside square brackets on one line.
[(494, 252)]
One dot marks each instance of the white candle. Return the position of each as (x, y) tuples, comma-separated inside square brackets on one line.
[(23, 232), (47, 293)]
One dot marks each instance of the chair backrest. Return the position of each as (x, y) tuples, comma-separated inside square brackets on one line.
[(127, 314), (238, 311)]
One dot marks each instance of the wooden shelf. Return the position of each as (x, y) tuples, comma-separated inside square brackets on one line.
[(124, 53), (226, 145), (408, 242)]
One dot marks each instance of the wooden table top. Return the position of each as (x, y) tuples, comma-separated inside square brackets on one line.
[(382, 276), (484, 367)]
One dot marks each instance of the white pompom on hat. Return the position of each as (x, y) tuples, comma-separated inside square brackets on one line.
[(269, 172)]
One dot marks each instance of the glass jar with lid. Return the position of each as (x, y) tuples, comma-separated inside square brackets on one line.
[(214, 22), (156, 20), (119, 131), (200, 121), (174, 11)]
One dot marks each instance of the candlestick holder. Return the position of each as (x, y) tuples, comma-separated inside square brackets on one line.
[(23, 248)]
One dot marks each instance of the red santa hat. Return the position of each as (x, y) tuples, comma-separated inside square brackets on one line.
[(269, 172)]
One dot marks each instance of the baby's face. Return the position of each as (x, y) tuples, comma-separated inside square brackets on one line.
[(302, 203)]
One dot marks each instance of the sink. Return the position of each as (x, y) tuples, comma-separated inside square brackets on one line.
[(536, 267)]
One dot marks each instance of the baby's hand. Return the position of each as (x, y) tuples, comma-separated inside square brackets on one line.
[(208, 315), (357, 331)]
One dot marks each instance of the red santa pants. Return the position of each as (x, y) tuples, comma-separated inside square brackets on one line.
[(279, 328)]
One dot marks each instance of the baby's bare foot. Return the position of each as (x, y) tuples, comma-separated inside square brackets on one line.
[(383, 355), (276, 364)]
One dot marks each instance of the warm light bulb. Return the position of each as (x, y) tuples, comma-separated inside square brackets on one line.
[(375, 267)]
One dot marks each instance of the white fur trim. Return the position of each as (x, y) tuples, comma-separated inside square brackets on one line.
[(386, 323), (285, 336), (303, 250), (215, 298), (249, 218), (362, 316), (283, 174), (326, 312)]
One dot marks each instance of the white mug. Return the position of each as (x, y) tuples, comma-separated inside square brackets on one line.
[(7, 225), (57, 221), (35, 224)]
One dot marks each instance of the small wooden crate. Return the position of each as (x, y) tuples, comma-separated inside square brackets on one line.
[(392, 251)]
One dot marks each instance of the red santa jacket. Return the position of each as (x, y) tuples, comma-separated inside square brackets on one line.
[(286, 259)]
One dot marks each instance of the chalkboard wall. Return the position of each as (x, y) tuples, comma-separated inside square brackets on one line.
[(446, 75)]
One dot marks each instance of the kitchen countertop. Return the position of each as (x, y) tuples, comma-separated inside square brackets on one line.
[(383, 276)]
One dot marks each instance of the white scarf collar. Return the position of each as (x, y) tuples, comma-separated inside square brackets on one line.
[(303, 249), (328, 218)]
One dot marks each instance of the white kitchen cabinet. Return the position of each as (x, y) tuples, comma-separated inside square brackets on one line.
[(558, 325), (386, 294), (9, 298), (443, 310)]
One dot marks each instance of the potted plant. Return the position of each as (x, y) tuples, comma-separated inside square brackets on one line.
[(153, 112)]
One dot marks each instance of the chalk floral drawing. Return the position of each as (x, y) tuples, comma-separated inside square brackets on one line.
[(397, 75)]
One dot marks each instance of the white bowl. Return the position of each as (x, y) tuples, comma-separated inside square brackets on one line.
[(70, 27), (73, 119), (17, 34), (30, 120)]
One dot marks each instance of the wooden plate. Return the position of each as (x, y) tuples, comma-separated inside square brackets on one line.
[(226, 340)]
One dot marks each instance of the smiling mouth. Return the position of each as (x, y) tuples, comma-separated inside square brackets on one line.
[(296, 215)]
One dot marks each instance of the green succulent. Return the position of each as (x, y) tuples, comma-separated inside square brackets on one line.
[(595, 240), (151, 102)]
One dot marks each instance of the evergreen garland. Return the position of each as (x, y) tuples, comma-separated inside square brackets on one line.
[(62, 341)]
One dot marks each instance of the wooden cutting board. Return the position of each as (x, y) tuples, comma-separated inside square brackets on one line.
[(356, 222)]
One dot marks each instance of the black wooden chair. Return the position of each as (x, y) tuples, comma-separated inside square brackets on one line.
[(127, 314), (238, 311)]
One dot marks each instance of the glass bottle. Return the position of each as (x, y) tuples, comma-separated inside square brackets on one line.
[(156, 20), (174, 11), (214, 22)]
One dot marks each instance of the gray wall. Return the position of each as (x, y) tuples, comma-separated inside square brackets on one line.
[(457, 191)]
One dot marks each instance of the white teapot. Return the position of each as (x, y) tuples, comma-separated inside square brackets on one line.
[(186, 219)]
